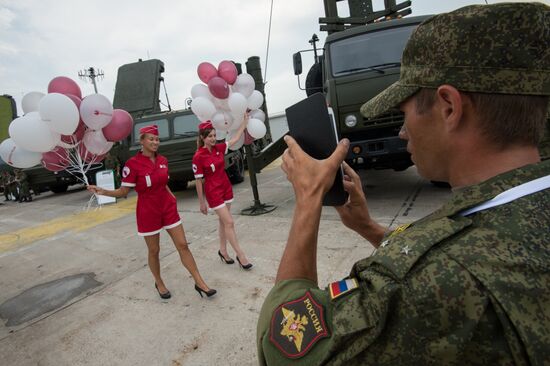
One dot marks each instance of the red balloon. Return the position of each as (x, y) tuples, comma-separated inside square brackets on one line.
[(206, 71), (218, 87), (55, 160), (76, 136), (227, 71), (120, 126), (64, 85), (247, 138)]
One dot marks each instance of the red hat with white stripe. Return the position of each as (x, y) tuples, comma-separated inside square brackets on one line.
[(206, 125), (152, 129)]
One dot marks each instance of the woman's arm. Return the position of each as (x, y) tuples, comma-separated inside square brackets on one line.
[(239, 132), (200, 193), (117, 193)]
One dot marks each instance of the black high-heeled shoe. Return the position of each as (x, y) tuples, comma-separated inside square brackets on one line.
[(165, 295), (208, 293), (227, 261), (246, 267)]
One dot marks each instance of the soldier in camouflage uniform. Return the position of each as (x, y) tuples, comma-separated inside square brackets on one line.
[(23, 183), (4, 182), (470, 283)]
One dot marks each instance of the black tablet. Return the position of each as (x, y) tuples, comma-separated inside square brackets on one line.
[(311, 125)]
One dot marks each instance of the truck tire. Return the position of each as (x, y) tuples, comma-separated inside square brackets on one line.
[(59, 188), (236, 171), (314, 80)]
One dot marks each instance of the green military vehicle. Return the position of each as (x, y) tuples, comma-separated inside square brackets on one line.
[(361, 58), (137, 91)]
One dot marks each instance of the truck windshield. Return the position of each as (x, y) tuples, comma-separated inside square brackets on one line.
[(186, 126), (370, 51), (162, 124)]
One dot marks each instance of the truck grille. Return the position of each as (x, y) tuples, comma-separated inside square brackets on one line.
[(392, 118)]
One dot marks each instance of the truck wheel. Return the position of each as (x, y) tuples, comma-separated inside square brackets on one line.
[(59, 188), (236, 171), (314, 80)]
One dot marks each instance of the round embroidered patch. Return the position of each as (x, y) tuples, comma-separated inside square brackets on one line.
[(125, 172)]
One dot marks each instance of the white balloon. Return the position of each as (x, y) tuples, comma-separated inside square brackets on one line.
[(59, 112), (31, 133), (222, 120), (220, 134), (18, 157), (255, 100), (30, 101), (237, 145), (96, 111), (200, 90), (221, 104), (203, 108), (237, 104), (244, 84), (256, 128), (258, 114), (96, 143)]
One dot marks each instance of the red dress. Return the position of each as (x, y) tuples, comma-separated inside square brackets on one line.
[(210, 165), (156, 206)]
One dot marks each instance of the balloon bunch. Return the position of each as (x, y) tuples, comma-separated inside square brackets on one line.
[(62, 131), (225, 99)]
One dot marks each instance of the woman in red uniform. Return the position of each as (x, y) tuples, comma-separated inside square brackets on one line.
[(214, 189), (147, 172)]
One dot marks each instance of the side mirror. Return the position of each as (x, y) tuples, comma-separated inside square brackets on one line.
[(297, 62)]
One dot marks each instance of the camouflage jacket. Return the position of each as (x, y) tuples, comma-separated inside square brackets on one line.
[(448, 290)]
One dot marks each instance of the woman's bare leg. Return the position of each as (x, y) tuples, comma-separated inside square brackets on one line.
[(153, 248), (229, 229), (178, 237)]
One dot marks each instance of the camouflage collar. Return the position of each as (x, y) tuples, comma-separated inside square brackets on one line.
[(484, 191)]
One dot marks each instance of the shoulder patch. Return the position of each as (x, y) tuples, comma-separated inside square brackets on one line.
[(297, 325), (125, 172), (343, 287)]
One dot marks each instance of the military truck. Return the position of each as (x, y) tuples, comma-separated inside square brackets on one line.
[(361, 57), (137, 91)]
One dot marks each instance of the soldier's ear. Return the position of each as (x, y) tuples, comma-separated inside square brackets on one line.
[(449, 106)]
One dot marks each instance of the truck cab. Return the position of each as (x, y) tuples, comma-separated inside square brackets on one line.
[(359, 63), (361, 57)]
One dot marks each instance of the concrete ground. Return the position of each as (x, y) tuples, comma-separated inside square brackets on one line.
[(76, 289)]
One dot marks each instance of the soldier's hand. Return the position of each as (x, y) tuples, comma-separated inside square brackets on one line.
[(355, 212), (203, 208), (311, 178)]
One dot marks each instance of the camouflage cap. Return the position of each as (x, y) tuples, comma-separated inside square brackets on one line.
[(500, 48)]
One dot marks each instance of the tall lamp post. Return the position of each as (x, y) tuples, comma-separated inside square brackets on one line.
[(92, 74)]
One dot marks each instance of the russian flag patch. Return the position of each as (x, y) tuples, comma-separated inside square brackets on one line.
[(340, 288)]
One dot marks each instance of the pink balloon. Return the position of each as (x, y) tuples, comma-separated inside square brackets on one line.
[(87, 156), (227, 71), (206, 71), (218, 87), (247, 138), (64, 85), (55, 160), (119, 127), (76, 136)]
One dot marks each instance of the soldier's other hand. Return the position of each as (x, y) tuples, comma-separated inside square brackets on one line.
[(354, 213), (311, 178)]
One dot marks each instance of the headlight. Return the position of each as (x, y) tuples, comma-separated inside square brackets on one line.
[(350, 120)]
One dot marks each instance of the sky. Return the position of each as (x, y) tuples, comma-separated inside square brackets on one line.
[(42, 39)]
